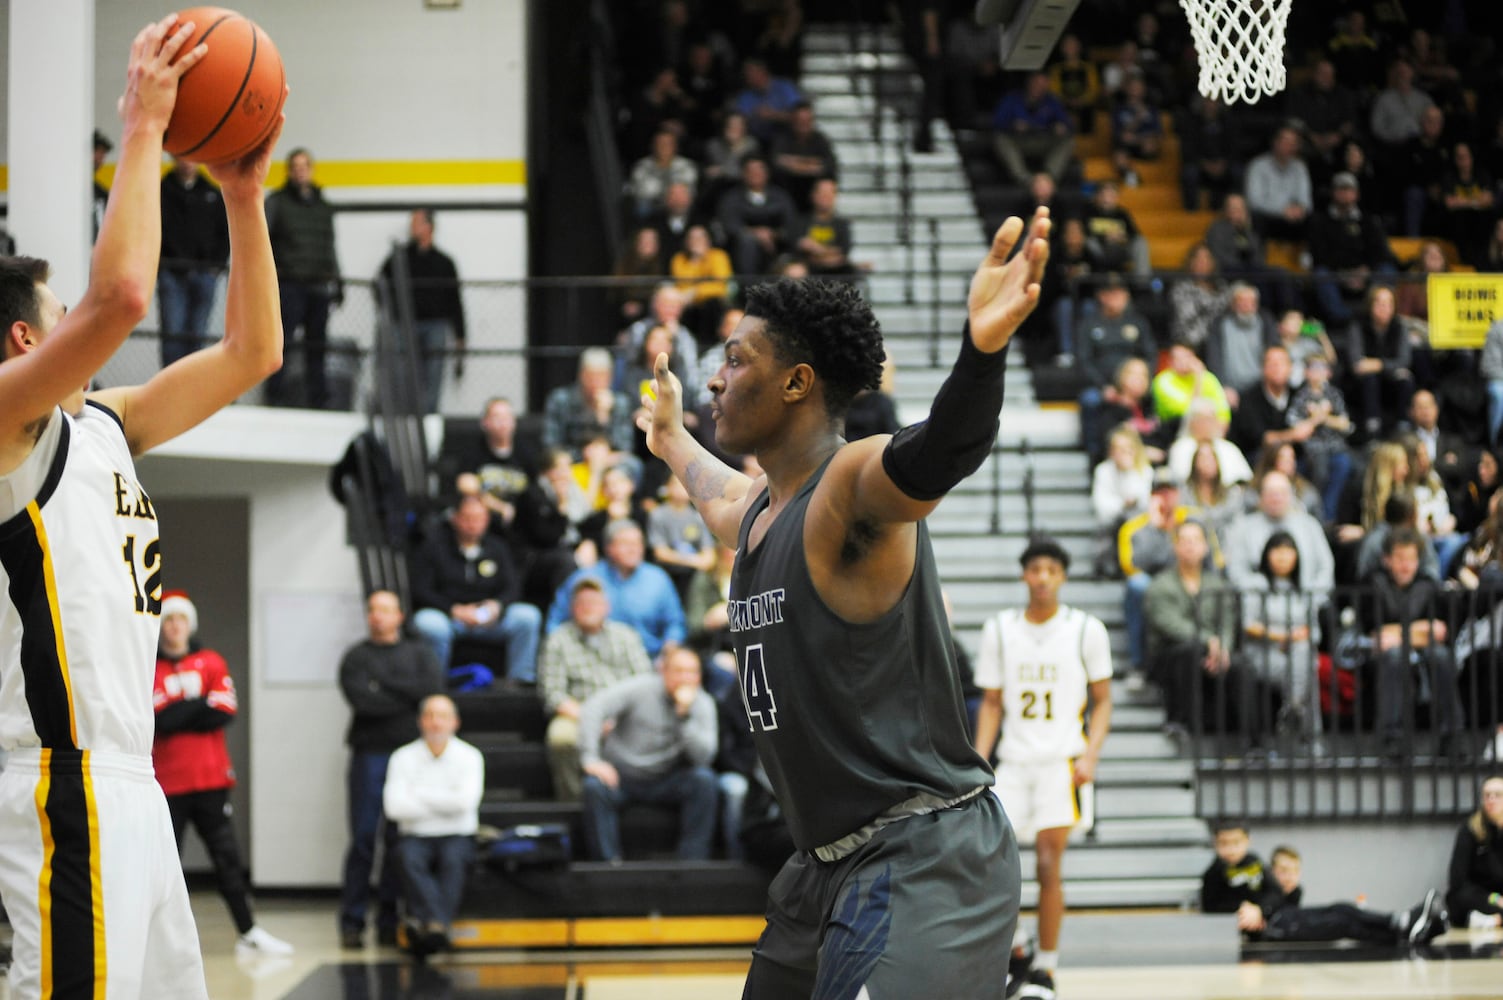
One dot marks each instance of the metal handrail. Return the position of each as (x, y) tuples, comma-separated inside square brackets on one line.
[(1259, 753), (934, 293)]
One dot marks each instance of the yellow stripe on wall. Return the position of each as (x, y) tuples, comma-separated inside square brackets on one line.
[(44, 880), (380, 173), (96, 883)]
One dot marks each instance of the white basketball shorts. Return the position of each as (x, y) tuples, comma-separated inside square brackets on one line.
[(90, 876)]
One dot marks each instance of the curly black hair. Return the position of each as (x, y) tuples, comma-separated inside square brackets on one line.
[(826, 325)]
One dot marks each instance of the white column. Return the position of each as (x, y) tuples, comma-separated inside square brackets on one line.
[(49, 130)]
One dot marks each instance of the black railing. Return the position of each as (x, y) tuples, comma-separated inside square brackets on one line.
[(1324, 712)]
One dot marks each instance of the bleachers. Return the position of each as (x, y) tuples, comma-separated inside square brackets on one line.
[(1149, 841)]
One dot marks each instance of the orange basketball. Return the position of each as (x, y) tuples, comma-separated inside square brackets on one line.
[(228, 103)]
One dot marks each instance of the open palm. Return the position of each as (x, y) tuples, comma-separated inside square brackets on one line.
[(1003, 291)]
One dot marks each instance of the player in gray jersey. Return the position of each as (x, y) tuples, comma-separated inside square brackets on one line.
[(906, 879)]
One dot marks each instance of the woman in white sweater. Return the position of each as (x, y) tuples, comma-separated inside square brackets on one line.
[(1123, 480)]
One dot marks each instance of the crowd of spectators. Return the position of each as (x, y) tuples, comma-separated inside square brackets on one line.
[(1300, 513), (1279, 391), (729, 176), (562, 529)]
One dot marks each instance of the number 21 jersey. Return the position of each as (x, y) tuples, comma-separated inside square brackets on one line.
[(1043, 671)]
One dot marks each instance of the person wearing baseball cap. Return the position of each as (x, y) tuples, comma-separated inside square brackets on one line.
[(1347, 247), (1328, 460), (194, 699)]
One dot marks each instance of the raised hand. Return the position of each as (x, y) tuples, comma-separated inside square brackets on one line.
[(247, 175), (663, 406), (1004, 292), (156, 65)]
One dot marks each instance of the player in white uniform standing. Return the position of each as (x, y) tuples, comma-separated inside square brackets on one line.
[(88, 868), (1039, 669)]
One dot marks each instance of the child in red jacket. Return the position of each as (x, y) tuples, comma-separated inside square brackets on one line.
[(194, 699)]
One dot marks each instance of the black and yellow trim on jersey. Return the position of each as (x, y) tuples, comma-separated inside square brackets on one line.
[(70, 894), (27, 558)]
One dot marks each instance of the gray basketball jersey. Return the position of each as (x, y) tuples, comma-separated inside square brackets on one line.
[(849, 719)]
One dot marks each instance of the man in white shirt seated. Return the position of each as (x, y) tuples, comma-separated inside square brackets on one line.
[(433, 790)]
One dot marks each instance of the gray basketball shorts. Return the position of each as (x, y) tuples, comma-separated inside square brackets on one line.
[(926, 908)]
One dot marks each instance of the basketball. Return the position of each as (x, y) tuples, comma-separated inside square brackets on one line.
[(228, 103)]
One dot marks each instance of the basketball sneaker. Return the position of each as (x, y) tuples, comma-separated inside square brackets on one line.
[(259, 942), (1040, 986), (1420, 919), (1019, 964)]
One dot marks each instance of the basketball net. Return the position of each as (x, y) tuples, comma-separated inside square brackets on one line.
[(1241, 46)]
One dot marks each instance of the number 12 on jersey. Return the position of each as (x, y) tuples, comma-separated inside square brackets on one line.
[(761, 707)]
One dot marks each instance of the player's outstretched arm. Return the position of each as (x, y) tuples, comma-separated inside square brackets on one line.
[(719, 492), (123, 267), (187, 392), (904, 477)]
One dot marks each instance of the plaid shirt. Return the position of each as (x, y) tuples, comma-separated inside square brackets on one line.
[(569, 421), (576, 665)]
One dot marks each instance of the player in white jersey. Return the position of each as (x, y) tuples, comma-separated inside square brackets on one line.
[(1039, 670), (88, 868)]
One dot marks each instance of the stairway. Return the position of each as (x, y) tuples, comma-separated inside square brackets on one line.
[(1148, 847)]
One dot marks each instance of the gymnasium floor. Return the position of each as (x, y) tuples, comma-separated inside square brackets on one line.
[(1106, 956)]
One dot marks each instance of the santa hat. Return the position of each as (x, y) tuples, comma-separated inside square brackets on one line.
[(175, 602)]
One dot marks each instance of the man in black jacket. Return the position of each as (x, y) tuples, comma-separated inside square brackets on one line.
[(1406, 617), (1347, 247), (195, 249), (301, 224), (465, 583), (437, 311), (384, 678)]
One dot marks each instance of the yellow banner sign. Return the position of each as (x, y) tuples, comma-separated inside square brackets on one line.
[(1462, 307)]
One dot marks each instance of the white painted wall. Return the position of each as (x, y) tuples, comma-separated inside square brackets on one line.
[(374, 80), (297, 547), (379, 81), (1393, 865)]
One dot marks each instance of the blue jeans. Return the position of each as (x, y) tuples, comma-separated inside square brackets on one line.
[(184, 299), (518, 628), (1132, 611), (305, 306), (733, 788), (432, 343), (1328, 469), (1494, 411), (692, 789), (1091, 437), (367, 780), (433, 874)]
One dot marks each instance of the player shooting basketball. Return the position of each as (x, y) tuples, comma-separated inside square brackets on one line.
[(88, 868)]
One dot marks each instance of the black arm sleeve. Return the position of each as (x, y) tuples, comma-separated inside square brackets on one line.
[(926, 460)]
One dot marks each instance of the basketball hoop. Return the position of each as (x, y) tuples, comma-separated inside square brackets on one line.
[(1241, 46)]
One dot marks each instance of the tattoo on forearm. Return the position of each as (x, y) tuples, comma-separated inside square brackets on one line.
[(705, 480)]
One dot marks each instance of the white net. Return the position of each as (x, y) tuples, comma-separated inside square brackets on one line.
[(1241, 46)]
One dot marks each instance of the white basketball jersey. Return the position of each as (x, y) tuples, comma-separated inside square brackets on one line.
[(81, 572), (1044, 672)]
